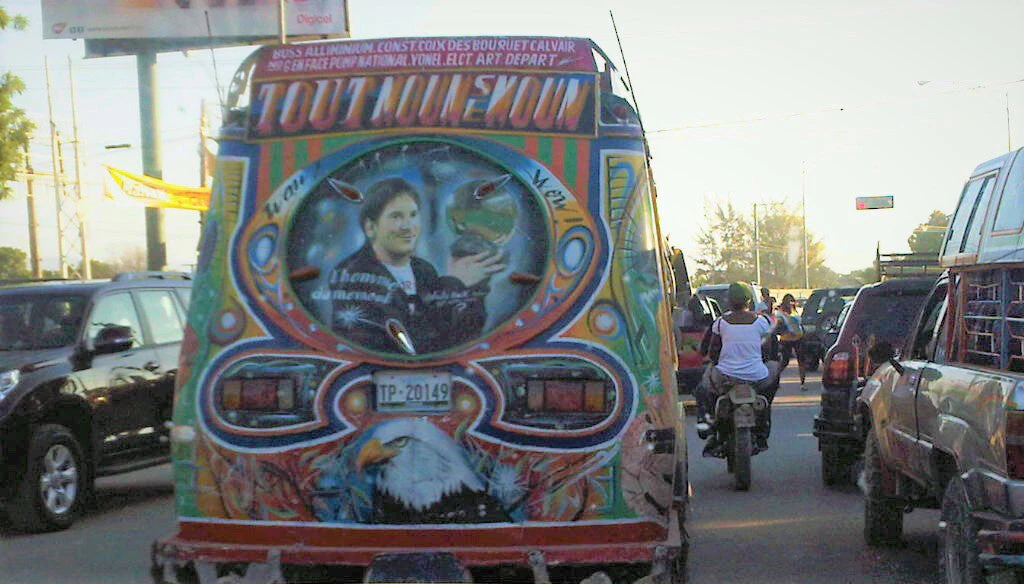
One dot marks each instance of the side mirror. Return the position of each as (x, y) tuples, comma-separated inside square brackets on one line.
[(881, 352), (112, 339)]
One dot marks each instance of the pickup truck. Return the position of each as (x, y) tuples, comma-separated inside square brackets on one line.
[(944, 413)]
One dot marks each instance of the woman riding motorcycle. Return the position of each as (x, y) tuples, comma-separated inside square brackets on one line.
[(739, 352)]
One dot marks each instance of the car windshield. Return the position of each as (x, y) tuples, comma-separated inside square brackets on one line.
[(885, 316), (824, 302), (39, 321), (717, 293)]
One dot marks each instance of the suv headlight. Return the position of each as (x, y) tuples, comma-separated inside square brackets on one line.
[(8, 379)]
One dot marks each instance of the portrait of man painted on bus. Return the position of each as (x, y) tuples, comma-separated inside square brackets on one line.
[(386, 298), (416, 247)]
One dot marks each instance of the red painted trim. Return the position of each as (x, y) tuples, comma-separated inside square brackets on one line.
[(558, 157), (317, 535), (287, 159), (530, 145), (181, 548), (314, 150), (263, 176), (582, 168)]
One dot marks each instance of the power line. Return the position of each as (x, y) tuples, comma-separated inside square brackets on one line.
[(826, 110)]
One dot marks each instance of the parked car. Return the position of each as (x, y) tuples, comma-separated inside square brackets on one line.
[(87, 374), (701, 312), (880, 312), (946, 420), (820, 314)]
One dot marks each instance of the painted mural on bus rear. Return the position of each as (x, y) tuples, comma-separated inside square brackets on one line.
[(430, 337)]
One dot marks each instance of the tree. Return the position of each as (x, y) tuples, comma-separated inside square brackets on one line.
[(780, 231), (15, 127), (131, 260), (724, 244), (726, 247), (101, 269), (927, 237), (13, 264)]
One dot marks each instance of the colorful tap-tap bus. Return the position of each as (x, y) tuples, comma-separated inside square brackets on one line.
[(430, 330)]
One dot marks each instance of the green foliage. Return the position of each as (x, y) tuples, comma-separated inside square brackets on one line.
[(101, 269), (726, 247), (15, 127), (13, 264), (17, 21), (927, 237), (868, 275)]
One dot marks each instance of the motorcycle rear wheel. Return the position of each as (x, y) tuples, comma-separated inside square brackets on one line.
[(741, 458)]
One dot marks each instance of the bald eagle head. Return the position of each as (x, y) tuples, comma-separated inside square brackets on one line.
[(415, 462)]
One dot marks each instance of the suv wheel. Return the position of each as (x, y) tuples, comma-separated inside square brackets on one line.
[(50, 492), (958, 558), (835, 469), (883, 517)]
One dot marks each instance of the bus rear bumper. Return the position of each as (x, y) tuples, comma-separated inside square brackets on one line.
[(267, 563)]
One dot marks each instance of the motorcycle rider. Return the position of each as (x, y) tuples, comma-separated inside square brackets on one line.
[(736, 350)]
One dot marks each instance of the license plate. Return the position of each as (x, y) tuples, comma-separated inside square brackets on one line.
[(413, 392)]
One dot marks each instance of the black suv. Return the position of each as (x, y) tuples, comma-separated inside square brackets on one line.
[(87, 375), (821, 313), (880, 312)]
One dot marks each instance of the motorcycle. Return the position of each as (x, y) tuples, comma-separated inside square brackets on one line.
[(735, 416)]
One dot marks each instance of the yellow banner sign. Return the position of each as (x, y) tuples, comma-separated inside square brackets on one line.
[(153, 192)]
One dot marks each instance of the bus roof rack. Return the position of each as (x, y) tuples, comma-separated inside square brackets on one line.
[(153, 275)]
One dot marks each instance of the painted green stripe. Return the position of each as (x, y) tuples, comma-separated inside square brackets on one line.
[(301, 153), (275, 165), (335, 143), (569, 172), (513, 141), (544, 150)]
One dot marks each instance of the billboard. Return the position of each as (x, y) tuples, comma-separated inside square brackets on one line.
[(230, 21)]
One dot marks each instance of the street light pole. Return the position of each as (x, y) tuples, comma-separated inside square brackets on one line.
[(757, 248), (803, 212)]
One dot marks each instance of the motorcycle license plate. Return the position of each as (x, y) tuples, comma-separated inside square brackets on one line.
[(421, 391), (743, 394)]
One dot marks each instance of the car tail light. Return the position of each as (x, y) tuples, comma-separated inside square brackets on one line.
[(1015, 444), (839, 370), (259, 394)]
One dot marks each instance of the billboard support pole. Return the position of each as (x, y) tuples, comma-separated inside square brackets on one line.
[(281, 22), (156, 245)]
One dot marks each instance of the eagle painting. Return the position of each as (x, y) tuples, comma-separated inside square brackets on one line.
[(420, 475)]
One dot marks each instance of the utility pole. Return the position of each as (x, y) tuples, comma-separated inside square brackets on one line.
[(57, 176), (33, 225), (803, 213), (757, 248), (156, 245), (83, 236)]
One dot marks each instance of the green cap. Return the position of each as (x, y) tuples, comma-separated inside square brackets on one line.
[(738, 292)]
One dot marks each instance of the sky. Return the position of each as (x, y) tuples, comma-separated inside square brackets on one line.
[(743, 102)]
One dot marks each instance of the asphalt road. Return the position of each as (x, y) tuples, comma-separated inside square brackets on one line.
[(787, 529)]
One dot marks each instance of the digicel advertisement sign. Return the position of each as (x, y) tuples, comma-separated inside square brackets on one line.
[(881, 202)]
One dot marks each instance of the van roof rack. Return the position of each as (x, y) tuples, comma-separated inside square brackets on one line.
[(151, 275)]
